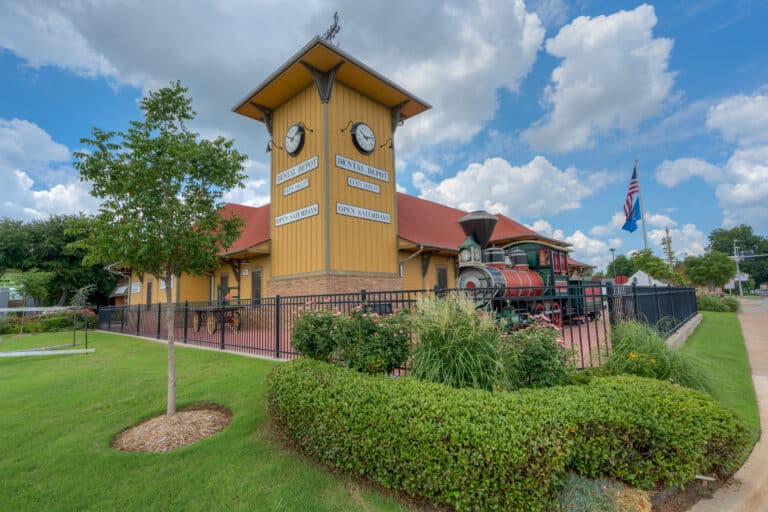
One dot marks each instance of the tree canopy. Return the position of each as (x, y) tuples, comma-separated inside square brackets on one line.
[(652, 265), (712, 269), (48, 245), (161, 187), (622, 267), (747, 240)]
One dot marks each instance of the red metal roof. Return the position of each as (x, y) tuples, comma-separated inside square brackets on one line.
[(418, 220), (575, 263), (255, 228)]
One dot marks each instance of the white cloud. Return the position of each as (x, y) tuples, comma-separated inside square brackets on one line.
[(741, 119), (543, 227), (744, 198), (659, 220), (672, 172), (617, 220), (24, 144), (687, 240), (26, 152), (743, 191), (495, 185), (256, 189), (552, 13), (613, 75), (455, 55)]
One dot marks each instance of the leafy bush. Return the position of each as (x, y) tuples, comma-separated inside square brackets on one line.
[(476, 450), (370, 342), (536, 357), (456, 344), (364, 341), (312, 334), (719, 304), (638, 349)]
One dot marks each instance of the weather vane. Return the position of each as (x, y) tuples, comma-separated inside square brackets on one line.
[(333, 29)]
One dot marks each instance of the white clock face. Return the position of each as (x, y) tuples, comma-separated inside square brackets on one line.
[(294, 139), (363, 137), (465, 255)]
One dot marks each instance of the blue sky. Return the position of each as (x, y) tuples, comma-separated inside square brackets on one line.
[(540, 108)]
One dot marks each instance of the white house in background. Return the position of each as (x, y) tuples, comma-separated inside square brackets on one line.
[(642, 279)]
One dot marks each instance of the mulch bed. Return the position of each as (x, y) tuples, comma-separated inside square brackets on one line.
[(166, 433)]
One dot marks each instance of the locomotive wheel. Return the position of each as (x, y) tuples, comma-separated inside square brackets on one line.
[(236, 321), (556, 315), (212, 324), (197, 322)]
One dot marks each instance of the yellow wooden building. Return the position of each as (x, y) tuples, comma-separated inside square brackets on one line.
[(335, 222)]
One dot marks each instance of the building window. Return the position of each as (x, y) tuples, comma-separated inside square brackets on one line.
[(442, 277), (149, 294), (256, 286)]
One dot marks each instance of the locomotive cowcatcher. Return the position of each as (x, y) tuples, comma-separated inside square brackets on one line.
[(522, 279)]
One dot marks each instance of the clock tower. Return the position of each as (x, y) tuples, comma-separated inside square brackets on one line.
[(333, 220)]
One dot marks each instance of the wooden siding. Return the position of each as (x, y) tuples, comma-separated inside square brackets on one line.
[(412, 271), (299, 246), (360, 245)]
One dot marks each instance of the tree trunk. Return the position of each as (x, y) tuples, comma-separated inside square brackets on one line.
[(170, 306)]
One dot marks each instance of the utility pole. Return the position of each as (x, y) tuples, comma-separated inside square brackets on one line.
[(737, 257), (613, 255)]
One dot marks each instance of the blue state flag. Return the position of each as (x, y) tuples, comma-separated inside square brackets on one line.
[(634, 216)]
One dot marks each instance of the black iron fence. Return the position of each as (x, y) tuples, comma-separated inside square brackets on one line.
[(583, 314)]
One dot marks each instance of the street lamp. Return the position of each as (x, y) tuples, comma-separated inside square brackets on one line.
[(613, 256)]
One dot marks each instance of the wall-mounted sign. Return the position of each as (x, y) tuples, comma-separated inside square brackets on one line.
[(364, 185), (362, 213), (297, 170), (290, 189), (361, 168), (301, 213), (245, 272), (135, 287)]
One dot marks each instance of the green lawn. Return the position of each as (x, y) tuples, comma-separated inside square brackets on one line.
[(719, 344), (59, 414)]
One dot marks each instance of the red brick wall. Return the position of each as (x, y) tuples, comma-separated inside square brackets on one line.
[(332, 283)]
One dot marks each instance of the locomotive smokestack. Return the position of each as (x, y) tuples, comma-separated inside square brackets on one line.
[(479, 225)]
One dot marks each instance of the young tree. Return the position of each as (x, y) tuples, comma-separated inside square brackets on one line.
[(712, 269), (161, 187), (669, 254), (34, 284)]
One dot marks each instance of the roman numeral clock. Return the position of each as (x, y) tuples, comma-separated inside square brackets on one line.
[(331, 122)]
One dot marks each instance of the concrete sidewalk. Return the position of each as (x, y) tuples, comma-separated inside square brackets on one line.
[(749, 490)]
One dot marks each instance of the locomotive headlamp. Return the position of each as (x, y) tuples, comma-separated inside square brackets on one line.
[(465, 255)]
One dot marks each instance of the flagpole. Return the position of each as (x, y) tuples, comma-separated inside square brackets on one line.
[(640, 198)]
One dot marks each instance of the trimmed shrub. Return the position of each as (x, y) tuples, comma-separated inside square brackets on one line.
[(456, 344), (469, 448), (719, 304), (477, 450), (536, 357), (638, 349), (645, 432)]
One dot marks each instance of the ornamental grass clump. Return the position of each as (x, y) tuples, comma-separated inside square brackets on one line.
[(638, 349), (457, 345)]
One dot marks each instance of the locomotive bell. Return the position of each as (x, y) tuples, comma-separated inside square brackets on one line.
[(479, 225)]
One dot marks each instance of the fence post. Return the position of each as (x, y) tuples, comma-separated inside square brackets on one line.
[(672, 308), (277, 326), (138, 320), (186, 319), (363, 297), (123, 314), (634, 300), (223, 323), (658, 303), (159, 307), (611, 305)]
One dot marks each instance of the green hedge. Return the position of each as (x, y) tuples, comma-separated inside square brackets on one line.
[(478, 450), (714, 303)]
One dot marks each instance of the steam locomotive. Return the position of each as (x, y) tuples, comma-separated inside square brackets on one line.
[(523, 279)]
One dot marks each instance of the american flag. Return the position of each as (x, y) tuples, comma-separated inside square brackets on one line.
[(634, 188)]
